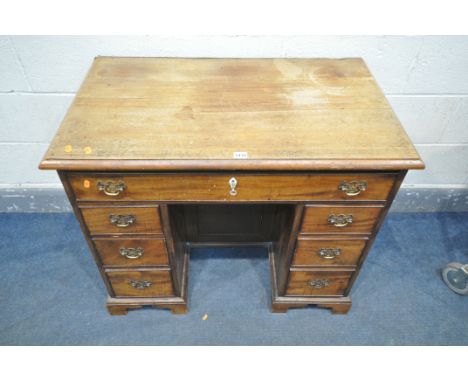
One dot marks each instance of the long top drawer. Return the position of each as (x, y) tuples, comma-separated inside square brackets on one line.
[(231, 187)]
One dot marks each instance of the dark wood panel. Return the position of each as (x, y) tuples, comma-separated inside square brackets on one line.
[(132, 252), (216, 187), (97, 219), (158, 283), (176, 258), (283, 249), (231, 223), (316, 219)]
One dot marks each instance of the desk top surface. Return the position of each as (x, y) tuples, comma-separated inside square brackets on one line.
[(230, 114)]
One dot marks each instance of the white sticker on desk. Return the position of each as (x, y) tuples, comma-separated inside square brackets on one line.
[(240, 155)]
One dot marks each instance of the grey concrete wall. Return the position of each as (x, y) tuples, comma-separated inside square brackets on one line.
[(424, 77)]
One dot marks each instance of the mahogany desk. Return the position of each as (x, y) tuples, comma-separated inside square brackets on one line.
[(158, 155)]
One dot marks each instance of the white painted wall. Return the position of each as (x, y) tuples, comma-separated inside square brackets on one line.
[(424, 77)]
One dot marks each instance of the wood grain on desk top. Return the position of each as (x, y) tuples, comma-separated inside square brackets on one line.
[(170, 113)]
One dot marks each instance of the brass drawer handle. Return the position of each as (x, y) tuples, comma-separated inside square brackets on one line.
[(319, 283), (233, 185), (340, 220), (122, 221), (132, 253), (353, 188), (111, 188), (329, 253), (140, 284)]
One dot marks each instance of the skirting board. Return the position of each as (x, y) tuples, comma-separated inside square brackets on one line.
[(33, 200), (407, 200)]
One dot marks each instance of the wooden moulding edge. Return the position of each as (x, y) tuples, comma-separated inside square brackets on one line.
[(231, 165)]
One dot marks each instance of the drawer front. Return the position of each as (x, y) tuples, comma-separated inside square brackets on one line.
[(149, 283), (311, 252), (108, 220), (318, 283), (220, 187), (340, 219), (132, 252)]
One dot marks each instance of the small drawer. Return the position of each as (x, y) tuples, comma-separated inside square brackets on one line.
[(109, 220), (318, 283), (340, 219), (131, 252), (311, 252), (141, 283), (232, 187)]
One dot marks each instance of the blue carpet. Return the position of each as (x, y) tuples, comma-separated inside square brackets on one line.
[(51, 292)]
